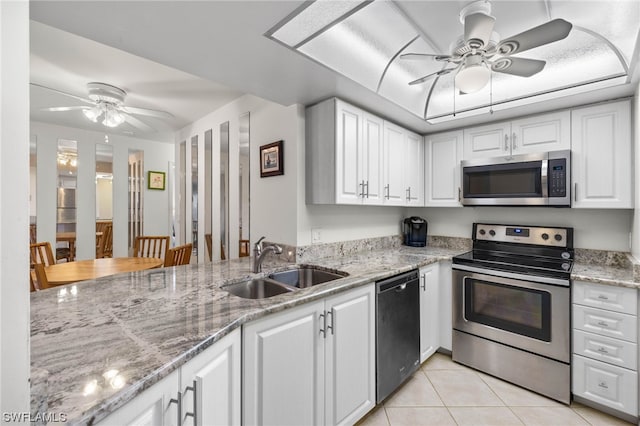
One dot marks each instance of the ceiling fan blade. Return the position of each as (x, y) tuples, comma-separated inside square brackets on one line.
[(88, 101), (421, 56), (137, 123), (521, 67), (145, 111), (433, 74), (69, 108), (478, 26), (537, 36)]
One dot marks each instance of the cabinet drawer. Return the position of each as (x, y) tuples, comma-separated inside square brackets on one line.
[(605, 323), (618, 299), (614, 351), (606, 384)]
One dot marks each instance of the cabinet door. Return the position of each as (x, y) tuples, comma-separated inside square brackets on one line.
[(283, 368), (213, 377), (372, 159), (492, 140), (605, 384), (414, 169), (153, 407), (394, 157), (429, 311), (549, 132), (445, 293), (602, 156), (348, 153), (442, 169), (350, 356)]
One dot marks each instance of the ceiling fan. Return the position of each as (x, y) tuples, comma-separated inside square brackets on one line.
[(108, 102), (478, 51)]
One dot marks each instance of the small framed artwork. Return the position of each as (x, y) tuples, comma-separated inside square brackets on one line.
[(155, 180), (272, 159)]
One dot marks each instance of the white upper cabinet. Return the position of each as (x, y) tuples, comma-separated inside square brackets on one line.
[(602, 156), (443, 152), (353, 157), (540, 133)]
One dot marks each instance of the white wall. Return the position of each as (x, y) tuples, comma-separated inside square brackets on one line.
[(594, 229), (273, 199), (157, 156), (14, 213), (635, 244)]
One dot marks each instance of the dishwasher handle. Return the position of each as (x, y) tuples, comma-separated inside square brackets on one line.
[(398, 283)]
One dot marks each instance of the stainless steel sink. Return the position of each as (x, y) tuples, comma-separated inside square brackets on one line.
[(259, 288), (306, 276)]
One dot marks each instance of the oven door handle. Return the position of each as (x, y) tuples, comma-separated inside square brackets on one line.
[(512, 275), (544, 170)]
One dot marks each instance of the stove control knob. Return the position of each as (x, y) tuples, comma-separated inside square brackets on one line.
[(492, 233), (565, 266), (545, 236), (482, 232), (558, 237), (565, 255)]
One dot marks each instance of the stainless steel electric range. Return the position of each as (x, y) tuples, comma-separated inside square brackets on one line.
[(512, 306)]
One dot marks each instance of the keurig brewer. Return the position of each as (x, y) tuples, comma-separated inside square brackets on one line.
[(415, 231)]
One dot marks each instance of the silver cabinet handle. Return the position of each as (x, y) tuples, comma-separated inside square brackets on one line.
[(603, 324), (330, 327), (602, 297), (408, 192), (423, 279), (603, 350), (367, 185), (514, 145), (323, 329), (193, 389), (362, 191), (603, 385), (459, 194), (179, 403), (575, 191), (506, 142), (386, 188)]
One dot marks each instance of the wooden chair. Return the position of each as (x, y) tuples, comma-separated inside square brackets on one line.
[(244, 248), (32, 234), (41, 281), (207, 239), (151, 246), (32, 286), (105, 245), (180, 255), (41, 253)]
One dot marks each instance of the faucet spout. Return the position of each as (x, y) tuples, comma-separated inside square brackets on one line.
[(259, 253)]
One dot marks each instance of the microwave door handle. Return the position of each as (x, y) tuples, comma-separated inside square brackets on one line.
[(543, 178)]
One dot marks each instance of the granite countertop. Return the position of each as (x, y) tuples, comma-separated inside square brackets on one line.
[(142, 326)]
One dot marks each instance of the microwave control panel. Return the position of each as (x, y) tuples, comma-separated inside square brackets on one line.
[(557, 177)]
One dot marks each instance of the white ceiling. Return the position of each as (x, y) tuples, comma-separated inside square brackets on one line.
[(224, 42)]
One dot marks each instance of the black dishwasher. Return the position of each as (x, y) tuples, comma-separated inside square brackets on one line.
[(397, 331)]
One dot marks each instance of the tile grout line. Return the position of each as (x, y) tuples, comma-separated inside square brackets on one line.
[(439, 396)]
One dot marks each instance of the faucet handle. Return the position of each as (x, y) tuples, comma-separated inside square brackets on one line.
[(258, 243)]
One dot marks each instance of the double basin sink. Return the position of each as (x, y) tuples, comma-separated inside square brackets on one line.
[(283, 282)]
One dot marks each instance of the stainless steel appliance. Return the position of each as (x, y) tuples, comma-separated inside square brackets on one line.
[(542, 179), (397, 331), (512, 306), (414, 230)]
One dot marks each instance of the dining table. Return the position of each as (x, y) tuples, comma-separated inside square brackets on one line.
[(81, 270)]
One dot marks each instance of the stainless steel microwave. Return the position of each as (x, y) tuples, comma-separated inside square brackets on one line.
[(542, 179)]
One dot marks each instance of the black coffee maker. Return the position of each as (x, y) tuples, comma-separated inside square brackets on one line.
[(414, 230)]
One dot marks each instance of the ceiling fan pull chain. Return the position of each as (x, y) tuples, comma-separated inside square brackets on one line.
[(491, 93)]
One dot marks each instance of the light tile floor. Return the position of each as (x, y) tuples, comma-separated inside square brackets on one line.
[(445, 393)]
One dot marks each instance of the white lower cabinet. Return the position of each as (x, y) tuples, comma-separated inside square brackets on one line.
[(605, 350), (312, 365), (204, 391), (445, 300), (429, 311)]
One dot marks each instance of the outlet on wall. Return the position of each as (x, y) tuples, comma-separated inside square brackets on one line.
[(316, 236)]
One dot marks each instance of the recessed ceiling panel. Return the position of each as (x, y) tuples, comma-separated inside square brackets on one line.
[(361, 46)]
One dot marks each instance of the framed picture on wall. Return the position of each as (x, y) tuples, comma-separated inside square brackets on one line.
[(272, 159), (155, 180)]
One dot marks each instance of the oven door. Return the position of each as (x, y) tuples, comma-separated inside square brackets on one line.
[(523, 314)]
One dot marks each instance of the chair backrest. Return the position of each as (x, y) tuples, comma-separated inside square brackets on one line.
[(41, 281), (151, 246), (41, 253), (180, 255), (32, 234), (101, 224), (105, 245), (207, 238)]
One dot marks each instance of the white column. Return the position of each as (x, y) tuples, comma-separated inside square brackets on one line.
[(14, 210)]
